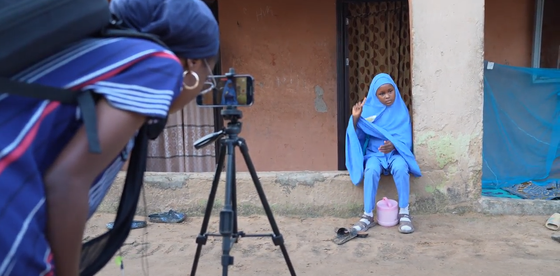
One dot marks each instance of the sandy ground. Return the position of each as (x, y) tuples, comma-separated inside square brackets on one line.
[(445, 244)]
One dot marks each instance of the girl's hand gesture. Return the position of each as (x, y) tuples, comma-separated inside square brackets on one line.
[(357, 109)]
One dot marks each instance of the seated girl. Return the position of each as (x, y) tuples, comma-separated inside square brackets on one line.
[(229, 96), (379, 140)]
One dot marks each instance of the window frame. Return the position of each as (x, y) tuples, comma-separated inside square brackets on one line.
[(537, 44)]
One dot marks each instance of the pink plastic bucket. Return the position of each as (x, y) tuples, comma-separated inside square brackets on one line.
[(387, 212)]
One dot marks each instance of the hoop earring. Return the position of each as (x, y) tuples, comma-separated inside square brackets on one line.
[(196, 78)]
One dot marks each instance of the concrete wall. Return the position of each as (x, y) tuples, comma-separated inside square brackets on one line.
[(448, 44), (508, 31), (301, 194), (289, 46)]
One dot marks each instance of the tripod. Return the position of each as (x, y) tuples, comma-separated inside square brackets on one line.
[(228, 215)]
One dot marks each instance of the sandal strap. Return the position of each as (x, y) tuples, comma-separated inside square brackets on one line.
[(362, 224), (364, 216), (408, 216)]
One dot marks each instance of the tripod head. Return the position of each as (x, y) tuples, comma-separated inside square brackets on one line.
[(232, 130), (229, 113)]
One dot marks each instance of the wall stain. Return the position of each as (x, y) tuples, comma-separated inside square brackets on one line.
[(446, 149), (320, 105)]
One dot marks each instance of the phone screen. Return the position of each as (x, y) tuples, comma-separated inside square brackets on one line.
[(228, 92)]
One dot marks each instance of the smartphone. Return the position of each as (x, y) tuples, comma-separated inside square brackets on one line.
[(237, 91)]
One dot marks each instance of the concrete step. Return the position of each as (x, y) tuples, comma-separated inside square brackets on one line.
[(304, 194)]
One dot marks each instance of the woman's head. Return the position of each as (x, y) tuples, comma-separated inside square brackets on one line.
[(187, 27)]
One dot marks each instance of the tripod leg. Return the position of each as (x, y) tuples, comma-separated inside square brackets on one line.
[(234, 199), (202, 237), (277, 238), (227, 214)]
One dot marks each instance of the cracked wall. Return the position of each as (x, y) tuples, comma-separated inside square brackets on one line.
[(448, 50)]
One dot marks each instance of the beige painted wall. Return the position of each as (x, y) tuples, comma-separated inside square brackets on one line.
[(448, 44)]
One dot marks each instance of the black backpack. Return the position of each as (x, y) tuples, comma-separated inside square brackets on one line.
[(32, 30)]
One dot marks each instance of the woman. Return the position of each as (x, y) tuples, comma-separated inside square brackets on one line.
[(379, 136), (47, 174)]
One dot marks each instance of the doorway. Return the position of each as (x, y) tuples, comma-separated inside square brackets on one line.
[(373, 37)]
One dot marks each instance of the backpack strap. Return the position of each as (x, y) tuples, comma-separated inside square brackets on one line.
[(83, 98), (96, 253)]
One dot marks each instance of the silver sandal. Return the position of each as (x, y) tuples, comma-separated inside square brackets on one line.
[(405, 223), (363, 226)]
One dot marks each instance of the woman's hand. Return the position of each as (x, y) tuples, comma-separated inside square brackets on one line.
[(357, 111), (386, 147)]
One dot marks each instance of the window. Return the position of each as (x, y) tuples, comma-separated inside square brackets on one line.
[(546, 39)]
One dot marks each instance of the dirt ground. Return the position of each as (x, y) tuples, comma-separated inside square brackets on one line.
[(443, 244)]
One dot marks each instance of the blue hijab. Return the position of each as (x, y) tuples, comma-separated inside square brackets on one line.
[(229, 96), (187, 27), (391, 123)]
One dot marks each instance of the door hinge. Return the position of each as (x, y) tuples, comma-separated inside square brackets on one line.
[(347, 21), (347, 61)]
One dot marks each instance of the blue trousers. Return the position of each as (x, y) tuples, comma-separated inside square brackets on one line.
[(398, 169)]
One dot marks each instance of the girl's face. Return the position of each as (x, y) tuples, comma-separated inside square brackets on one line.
[(386, 94)]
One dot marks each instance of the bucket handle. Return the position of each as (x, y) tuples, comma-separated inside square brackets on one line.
[(387, 201)]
